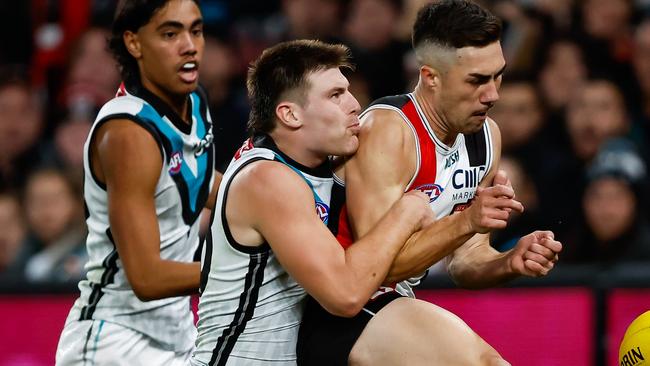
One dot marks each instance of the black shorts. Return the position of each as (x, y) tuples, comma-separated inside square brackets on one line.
[(326, 339)]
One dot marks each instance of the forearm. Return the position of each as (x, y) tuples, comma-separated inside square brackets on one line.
[(428, 246), (372, 255), (167, 278), (480, 267)]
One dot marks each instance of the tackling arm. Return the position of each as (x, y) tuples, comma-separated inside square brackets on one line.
[(341, 280)]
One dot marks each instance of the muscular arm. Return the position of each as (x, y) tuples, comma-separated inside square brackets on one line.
[(342, 281), (377, 176), (131, 185), (476, 264)]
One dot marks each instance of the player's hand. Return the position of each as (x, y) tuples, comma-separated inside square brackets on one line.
[(535, 254), (415, 205), (501, 177), (491, 208)]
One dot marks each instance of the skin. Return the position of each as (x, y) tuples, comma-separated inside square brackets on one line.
[(610, 208), (385, 163), (325, 124), (161, 47), (455, 98)]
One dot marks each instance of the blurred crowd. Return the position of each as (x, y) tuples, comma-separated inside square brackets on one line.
[(574, 111)]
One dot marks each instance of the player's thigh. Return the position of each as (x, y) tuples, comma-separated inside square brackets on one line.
[(414, 332), (96, 342)]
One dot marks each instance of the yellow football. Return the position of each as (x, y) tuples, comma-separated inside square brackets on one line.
[(635, 347)]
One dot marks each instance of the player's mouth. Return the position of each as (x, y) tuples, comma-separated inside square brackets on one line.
[(482, 113), (355, 127), (189, 72)]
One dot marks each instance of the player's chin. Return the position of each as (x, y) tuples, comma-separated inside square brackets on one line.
[(184, 87), (350, 146)]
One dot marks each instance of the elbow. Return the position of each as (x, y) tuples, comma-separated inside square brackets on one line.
[(464, 279), (346, 306), (143, 291)]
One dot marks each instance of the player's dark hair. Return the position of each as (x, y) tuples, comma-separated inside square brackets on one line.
[(284, 68), (130, 16), (456, 24)]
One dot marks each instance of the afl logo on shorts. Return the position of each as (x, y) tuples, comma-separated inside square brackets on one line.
[(432, 190), (323, 211), (175, 162)]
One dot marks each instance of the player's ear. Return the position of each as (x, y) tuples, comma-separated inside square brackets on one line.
[(430, 76), (132, 44), (288, 114)]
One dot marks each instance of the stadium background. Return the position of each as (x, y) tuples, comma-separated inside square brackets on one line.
[(574, 114)]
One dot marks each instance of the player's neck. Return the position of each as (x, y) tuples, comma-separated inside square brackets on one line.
[(296, 151), (178, 103), (436, 121)]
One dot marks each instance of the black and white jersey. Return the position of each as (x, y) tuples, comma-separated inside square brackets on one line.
[(181, 193), (250, 307)]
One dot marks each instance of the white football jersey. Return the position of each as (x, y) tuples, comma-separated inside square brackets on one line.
[(181, 192), (250, 307)]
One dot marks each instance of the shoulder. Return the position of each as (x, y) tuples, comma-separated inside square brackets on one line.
[(385, 129), (123, 106), (118, 135), (269, 179), (397, 101)]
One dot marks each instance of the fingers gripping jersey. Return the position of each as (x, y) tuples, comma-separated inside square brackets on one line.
[(181, 192), (449, 175), (250, 307)]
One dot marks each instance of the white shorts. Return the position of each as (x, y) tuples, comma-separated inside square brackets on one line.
[(98, 342)]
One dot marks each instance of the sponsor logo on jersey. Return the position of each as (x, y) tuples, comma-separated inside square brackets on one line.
[(432, 190), (467, 178), (452, 159), (323, 211), (461, 206), (175, 162), (248, 145), (204, 143)]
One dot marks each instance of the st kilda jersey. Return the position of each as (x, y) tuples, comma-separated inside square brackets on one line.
[(449, 175)]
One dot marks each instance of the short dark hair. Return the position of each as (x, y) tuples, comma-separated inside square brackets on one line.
[(456, 24), (130, 16), (283, 68)]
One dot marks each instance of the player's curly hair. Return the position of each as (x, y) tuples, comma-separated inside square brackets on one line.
[(130, 16)]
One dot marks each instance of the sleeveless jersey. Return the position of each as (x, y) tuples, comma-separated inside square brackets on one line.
[(448, 175), (250, 307), (181, 193)]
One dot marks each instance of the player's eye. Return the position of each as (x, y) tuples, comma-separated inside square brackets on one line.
[(169, 34)]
